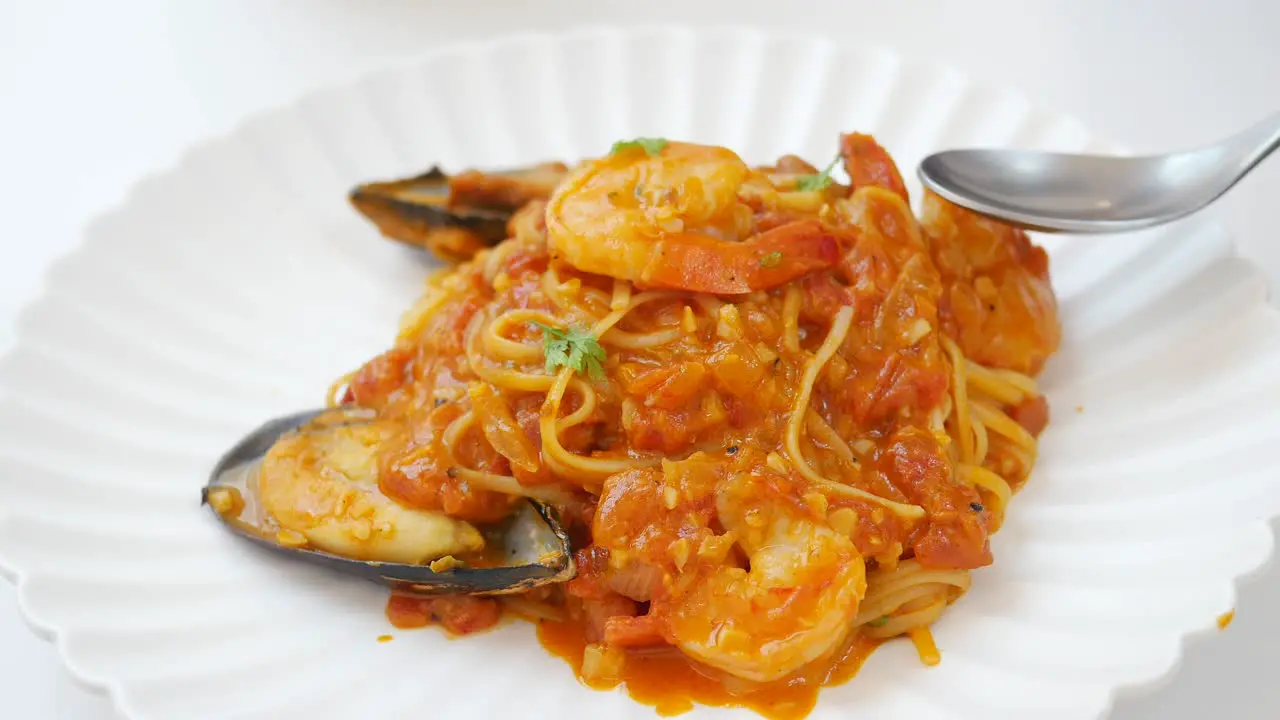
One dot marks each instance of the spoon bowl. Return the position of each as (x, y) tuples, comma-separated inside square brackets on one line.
[(1059, 192)]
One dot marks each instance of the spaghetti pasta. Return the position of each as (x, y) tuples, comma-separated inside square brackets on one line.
[(782, 415)]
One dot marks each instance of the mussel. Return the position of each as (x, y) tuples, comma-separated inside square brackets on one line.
[(530, 549), (454, 216)]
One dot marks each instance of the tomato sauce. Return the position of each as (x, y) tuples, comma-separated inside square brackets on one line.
[(459, 614), (671, 683)]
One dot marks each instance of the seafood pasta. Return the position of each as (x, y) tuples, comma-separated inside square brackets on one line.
[(779, 415)]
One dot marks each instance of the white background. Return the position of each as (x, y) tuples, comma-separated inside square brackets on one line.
[(94, 94)]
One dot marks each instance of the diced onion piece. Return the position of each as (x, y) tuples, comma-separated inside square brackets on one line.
[(634, 580), (500, 427), (602, 665)]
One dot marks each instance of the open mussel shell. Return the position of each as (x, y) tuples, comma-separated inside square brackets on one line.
[(454, 216), (533, 546)]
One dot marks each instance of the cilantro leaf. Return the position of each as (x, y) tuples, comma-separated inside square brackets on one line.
[(652, 146), (879, 622), (772, 260), (573, 348), (557, 354), (812, 183)]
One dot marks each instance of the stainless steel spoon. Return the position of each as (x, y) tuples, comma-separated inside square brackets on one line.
[(534, 547), (1092, 193)]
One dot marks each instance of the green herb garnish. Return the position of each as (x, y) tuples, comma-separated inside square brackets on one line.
[(575, 349), (772, 260), (652, 146), (812, 183), (879, 622)]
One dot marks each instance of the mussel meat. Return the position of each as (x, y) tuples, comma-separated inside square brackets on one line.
[(454, 216), (305, 485)]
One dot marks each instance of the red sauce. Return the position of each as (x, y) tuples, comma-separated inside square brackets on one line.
[(460, 614), (671, 683)]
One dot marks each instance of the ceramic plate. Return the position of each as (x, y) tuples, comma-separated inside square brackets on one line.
[(238, 284)]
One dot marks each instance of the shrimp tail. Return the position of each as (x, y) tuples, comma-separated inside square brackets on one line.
[(702, 263), (869, 164)]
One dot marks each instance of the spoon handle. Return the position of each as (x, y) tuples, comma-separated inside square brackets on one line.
[(1256, 143)]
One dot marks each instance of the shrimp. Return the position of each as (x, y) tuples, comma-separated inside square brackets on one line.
[(869, 164), (683, 527), (682, 218), (794, 605), (996, 301)]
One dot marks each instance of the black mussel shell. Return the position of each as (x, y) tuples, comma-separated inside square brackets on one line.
[(534, 546), (454, 216)]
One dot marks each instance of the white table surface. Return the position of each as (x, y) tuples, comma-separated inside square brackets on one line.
[(96, 93)]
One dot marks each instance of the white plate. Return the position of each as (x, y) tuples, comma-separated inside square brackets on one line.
[(238, 284)]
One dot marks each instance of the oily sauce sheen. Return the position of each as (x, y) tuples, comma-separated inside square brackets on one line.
[(671, 683)]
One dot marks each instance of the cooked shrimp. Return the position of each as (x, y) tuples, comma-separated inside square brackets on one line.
[(321, 487), (672, 538), (996, 301), (869, 164), (682, 218), (795, 604)]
